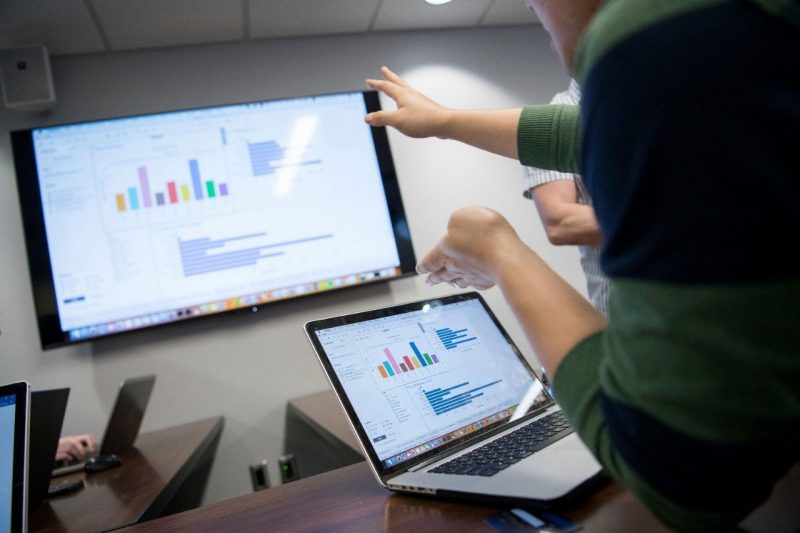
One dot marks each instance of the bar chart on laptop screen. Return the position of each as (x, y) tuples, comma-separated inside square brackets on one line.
[(411, 360), (444, 400), (423, 374), (439, 363)]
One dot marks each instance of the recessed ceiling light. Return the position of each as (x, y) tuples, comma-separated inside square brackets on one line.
[(438, 2)]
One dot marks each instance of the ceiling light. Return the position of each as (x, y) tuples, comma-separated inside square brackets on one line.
[(437, 2)]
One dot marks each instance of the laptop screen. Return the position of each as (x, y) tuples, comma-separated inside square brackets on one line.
[(14, 401), (421, 376), (7, 411)]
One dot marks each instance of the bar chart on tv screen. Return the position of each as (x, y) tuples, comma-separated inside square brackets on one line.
[(201, 204)]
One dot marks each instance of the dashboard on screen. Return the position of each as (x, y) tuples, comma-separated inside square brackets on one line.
[(140, 221)]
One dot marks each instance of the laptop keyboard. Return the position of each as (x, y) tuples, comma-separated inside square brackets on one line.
[(499, 454)]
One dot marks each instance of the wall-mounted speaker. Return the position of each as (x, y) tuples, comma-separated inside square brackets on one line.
[(25, 78)]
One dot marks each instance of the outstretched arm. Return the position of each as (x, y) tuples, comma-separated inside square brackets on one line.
[(419, 116), (481, 249)]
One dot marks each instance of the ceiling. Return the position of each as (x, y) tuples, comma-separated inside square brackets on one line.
[(87, 26)]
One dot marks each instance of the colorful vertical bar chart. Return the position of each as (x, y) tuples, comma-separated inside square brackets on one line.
[(443, 400), (452, 338), (408, 362), (143, 197)]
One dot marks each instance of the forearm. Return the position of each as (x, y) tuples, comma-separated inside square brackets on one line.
[(491, 130), (544, 136), (572, 224), (554, 316)]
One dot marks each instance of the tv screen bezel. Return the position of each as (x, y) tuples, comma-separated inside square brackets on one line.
[(37, 249)]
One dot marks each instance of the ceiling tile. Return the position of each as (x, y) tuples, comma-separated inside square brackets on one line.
[(64, 26), (508, 12), (284, 18), (154, 23), (416, 14)]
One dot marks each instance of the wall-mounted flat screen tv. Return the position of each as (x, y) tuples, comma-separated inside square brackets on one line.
[(140, 221)]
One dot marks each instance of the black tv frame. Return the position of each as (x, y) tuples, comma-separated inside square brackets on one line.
[(41, 273)]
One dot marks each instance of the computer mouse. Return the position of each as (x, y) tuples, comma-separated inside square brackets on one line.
[(98, 463)]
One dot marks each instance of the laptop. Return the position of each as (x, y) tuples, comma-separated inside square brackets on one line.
[(14, 432), (47, 417), (125, 421), (444, 404)]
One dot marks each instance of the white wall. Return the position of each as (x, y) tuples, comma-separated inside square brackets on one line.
[(246, 367)]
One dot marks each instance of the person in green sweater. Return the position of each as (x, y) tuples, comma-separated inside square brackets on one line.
[(688, 393)]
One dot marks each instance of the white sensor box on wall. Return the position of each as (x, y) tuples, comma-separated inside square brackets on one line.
[(26, 79)]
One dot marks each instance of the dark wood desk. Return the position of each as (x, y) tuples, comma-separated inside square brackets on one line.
[(165, 472), (349, 499)]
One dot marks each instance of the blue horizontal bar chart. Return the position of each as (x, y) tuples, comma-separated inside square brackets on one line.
[(198, 257), (452, 338), (268, 156), (442, 402)]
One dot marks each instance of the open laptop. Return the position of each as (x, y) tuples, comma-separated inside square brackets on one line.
[(14, 432), (443, 403), (47, 417), (125, 421)]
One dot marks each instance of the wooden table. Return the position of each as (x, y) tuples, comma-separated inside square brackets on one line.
[(166, 471), (349, 499)]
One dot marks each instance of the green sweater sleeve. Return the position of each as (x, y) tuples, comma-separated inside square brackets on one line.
[(547, 137), (577, 389)]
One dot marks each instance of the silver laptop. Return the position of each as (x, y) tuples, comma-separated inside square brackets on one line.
[(443, 403)]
